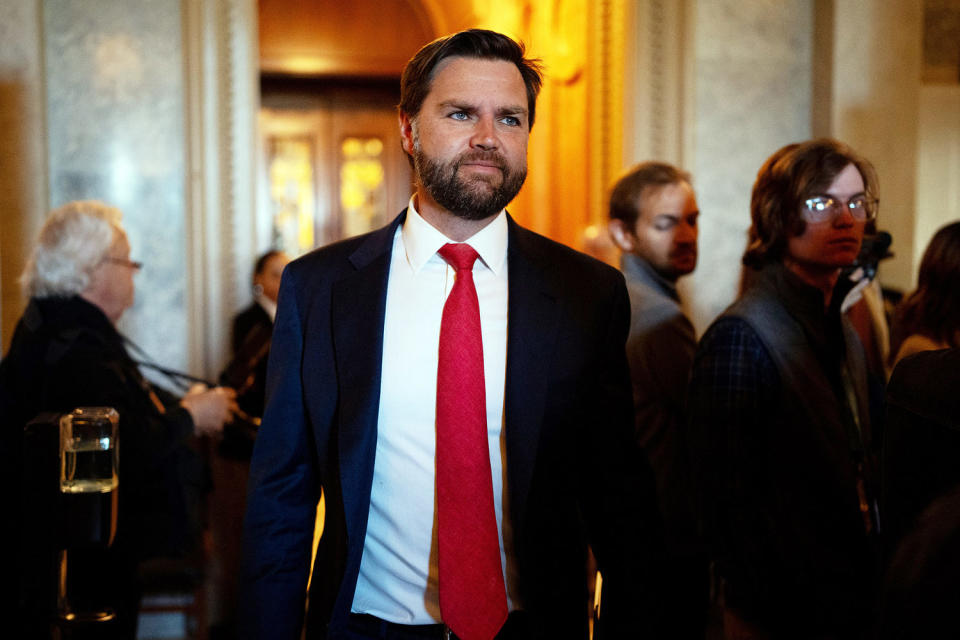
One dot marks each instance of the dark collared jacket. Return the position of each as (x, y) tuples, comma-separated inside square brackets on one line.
[(784, 454)]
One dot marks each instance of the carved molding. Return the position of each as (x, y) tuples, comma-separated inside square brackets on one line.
[(223, 95), (659, 94), (607, 38)]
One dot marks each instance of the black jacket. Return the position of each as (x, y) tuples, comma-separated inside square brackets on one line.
[(251, 327), (780, 455), (65, 353), (574, 475)]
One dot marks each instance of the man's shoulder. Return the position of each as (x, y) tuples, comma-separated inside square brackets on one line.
[(347, 254), (924, 383), (759, 308), (650, 299), (557, 257)]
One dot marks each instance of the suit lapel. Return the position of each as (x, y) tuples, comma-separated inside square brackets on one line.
[(358, 304), (531, 335)]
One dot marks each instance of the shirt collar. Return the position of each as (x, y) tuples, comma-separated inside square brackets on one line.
[(421, 240)]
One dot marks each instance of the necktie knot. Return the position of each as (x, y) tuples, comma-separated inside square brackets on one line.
[(460, 256)]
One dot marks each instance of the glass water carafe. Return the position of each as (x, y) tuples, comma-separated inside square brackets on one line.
[(89, 458), (88, 450)]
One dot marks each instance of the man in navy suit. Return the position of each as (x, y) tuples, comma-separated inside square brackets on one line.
[(354, 399)]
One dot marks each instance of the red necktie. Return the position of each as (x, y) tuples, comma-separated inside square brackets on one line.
[(473, 599)]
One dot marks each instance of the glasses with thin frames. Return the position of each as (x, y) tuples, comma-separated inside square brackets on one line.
[(133, 264), (826, 208)]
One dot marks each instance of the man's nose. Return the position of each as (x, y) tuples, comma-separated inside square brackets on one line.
[(686, 233), (485, 134), (842, 217)]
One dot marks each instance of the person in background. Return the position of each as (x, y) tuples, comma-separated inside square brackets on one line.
[(66, 352), (252, 329), (778, 411), (247, 372), (929, 318), (921, 498), (921, 441), (457, 388), (861, 300), (921, 585), (653, 221)]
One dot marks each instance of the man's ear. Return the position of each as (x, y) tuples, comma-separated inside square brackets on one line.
[(622, 236), (406, 133)]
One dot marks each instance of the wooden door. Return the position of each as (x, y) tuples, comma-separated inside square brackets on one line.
[(332, 163)]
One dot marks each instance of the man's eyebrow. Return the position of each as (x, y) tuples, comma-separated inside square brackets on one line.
[(461, 106), (511, 110), (516, 110)]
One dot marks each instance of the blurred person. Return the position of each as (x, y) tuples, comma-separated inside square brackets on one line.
[(929, 318), (252, 329), (653, 221), (921, 440), (864, 303), (246, 372), (921, 586), (861, 300), (921, 498), (779, 419), (457, 388), (66, 352)]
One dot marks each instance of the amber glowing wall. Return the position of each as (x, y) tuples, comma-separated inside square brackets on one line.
[(576, 143)]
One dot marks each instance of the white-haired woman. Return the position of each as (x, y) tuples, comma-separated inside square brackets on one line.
[(65, 353)]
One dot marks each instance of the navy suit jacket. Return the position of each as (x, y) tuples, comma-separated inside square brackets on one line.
[(574, 475)]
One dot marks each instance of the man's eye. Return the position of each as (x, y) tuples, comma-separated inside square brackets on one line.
[(856, 204), (459, 115), (511, 121), (664, 225)]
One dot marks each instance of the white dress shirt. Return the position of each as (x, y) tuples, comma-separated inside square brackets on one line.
[(398, 572)]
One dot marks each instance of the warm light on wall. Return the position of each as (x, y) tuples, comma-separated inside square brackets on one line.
[(362, 188), (576, 148), (292, 199)]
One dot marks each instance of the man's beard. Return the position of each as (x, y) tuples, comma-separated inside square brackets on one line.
[(473, 198)]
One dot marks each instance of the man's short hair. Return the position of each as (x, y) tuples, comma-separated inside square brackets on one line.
[(75, 239), (791, 175), (472, 43), (625, 199), (261, 263)]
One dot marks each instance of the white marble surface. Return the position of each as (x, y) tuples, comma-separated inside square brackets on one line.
[(753, 66), (876, 108), (115, 110)]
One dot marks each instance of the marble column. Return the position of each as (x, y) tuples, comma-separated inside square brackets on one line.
[(114, 76), (752, 78), (875, 61), (151, 106), (938, 165)]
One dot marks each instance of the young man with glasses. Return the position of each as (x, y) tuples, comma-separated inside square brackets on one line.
[(778, 410)]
